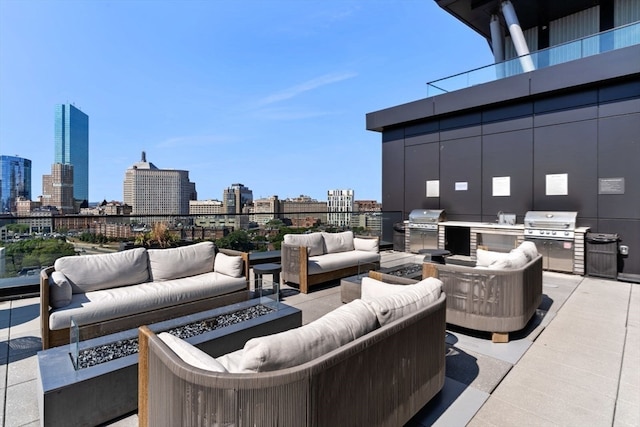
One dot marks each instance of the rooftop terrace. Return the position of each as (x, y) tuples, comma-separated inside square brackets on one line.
[(576, 363)]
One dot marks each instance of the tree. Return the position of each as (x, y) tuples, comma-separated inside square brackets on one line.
[(238, 240)]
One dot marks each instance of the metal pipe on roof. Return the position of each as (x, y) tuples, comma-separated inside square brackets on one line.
[(517, 36), (497, 44)]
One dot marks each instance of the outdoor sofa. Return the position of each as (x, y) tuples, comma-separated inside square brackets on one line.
[(107, 293), (498, 295), (373, 362), (319, 257)]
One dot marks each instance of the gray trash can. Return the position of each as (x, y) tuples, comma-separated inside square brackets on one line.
[(398, 236), (602, 255)]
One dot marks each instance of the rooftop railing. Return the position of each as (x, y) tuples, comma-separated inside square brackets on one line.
[(30, 243), (616, 38)]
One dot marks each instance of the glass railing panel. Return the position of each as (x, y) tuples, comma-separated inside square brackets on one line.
[(617, 38)]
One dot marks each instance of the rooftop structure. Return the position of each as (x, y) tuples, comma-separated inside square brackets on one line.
[(558, 136)]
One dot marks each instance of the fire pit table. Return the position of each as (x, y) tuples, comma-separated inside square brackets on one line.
[(105, 385)]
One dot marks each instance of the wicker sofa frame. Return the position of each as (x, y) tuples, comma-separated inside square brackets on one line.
[(54, 338), (295, 263), (490, 300), (382, 379)]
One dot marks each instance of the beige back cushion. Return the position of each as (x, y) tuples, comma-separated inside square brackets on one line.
[(394, 306), (300, 345), (94, 272), (313, 241), (174, 263), (372, 288), (338, 242)]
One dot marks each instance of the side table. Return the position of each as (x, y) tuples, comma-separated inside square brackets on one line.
[(267, 268), (434, 255)]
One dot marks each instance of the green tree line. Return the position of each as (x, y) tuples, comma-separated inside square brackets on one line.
[(37, 253)]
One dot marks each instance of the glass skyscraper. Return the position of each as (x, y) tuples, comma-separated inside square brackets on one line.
[(72, 146), (15, 181)]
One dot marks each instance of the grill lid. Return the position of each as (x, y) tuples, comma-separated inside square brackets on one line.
[(550, 225), (425, 216), (550, 220)]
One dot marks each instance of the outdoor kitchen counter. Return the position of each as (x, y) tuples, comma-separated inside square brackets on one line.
[(471, 224), (464, 237)]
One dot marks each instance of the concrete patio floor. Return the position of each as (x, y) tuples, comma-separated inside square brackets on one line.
[(577, 362)]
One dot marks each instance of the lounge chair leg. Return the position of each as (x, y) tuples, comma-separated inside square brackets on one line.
[(500, 337)]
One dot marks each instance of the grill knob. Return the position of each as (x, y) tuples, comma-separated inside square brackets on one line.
[(553, 233)]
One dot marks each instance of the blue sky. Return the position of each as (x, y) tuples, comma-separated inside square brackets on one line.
[(269, 93)]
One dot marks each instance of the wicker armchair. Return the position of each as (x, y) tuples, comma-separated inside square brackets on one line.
[(490, 300)]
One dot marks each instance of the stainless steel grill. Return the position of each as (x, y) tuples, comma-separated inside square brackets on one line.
[(554, 235), (423, 228), (550, 225), (426, 219)]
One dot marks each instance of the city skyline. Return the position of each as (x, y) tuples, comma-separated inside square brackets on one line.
[(273, 94)]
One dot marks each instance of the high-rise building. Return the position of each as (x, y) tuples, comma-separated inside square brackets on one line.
[(57, 188), (72, 146), (236, 197), (339, 207), (15, 181), (152, 191)]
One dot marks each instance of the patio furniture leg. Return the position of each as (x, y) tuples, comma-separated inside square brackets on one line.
[(500, 337)]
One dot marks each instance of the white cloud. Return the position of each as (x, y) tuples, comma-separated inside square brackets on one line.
[(305, 87)]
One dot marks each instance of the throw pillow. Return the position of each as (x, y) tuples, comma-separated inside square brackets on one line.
[(191, 354), (59, 290), (338, 242), (372, 288), (313, 241), (368, 245), (174, 263), (392, 307), (300, 345), (228, 265)]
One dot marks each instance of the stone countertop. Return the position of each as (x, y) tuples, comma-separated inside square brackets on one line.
[(481, 225)]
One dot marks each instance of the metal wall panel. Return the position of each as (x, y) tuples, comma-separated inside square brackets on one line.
[(422, 163), (626, 12)]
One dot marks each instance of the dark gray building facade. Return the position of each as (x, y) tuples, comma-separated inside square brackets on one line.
[(577, 121)]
